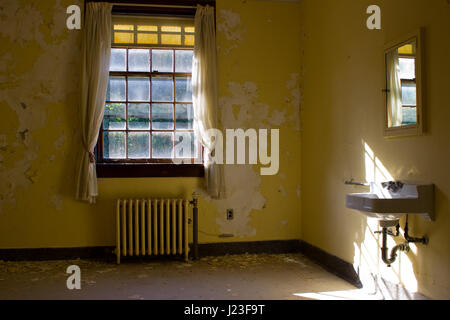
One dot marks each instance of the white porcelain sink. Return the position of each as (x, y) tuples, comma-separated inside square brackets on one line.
[(389, 206)]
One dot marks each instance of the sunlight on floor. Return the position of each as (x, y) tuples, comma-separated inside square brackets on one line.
[(357, 294)]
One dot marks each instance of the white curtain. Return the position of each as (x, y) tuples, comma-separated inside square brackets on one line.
[(394, 95), (205, 96), (96, 51)]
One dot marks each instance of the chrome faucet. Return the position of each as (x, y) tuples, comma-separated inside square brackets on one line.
[(393, 186)]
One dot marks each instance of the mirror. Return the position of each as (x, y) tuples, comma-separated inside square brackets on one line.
[(403, 86)]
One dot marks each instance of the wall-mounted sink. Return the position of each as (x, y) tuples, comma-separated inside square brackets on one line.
[(389, 205)]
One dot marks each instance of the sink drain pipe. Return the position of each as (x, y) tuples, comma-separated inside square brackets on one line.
[(385, 249), (401, 247)]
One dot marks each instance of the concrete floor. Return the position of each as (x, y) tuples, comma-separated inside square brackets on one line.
[(249, 276)]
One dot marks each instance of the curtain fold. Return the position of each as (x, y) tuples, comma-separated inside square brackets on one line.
[(205, 96), (394, 97), (96, 51)]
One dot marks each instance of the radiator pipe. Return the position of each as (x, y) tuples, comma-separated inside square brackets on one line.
[(385, 249), (194, 202)]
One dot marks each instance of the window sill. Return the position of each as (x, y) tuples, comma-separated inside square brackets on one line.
[(154, 170)]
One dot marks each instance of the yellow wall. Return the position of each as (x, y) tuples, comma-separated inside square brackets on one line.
[(342, 114), (40, 140)]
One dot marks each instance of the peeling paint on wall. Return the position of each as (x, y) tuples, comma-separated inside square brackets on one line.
[(35, 82), (39, 86), (229, 23), (243, 196)]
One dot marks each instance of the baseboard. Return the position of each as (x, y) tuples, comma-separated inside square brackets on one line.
[(331, 263), (205, 249), (251, 247)]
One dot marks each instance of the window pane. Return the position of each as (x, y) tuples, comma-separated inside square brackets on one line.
[(116, 89), (183, 89), (408, 94), (185, 145), (123, 27), (162, 89), (185, 116), (139, 116), (139, 60), (162, 60), (123, 37), (118, 60), (171, 29), (114, 145), (183, 61), (147, 28), (162, 116), (147, 38), (189, 40), (162, 145), (168, 38), (138, 145), (407, 68), (138, 89), (409, 116), (407, 48), (114, 117)]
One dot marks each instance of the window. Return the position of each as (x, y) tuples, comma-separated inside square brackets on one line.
[(148, 116)]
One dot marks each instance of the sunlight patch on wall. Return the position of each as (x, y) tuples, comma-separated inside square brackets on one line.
[(367, 257)]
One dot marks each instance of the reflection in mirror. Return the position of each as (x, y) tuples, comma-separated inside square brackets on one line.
[(403, 112), (401, 89)]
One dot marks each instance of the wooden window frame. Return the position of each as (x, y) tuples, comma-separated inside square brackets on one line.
[(133, 168)]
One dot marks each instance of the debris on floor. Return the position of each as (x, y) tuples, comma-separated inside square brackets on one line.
[(244, 276)]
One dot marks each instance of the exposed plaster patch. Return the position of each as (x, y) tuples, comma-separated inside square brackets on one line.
[(243, 195), (229, 23), (251, 112), (243, 109)]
